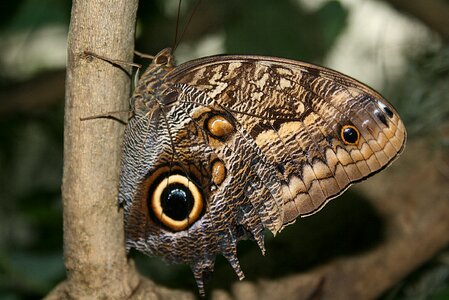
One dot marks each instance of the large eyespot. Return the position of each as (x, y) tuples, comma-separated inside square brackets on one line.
[(350, 135), (176, 202)]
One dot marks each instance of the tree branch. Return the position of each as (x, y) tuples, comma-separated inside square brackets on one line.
[(95, 258)]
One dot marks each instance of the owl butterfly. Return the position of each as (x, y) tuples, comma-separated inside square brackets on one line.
[(221, 148)]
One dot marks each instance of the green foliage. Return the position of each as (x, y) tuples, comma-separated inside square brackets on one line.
[(33, 14), (31, 259), (282, 28), (429, 282)]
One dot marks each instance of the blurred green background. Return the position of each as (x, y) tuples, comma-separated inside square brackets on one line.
[(369, 40)]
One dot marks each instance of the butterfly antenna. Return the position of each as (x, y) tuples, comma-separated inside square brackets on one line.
[(187, 24), (175, 43)]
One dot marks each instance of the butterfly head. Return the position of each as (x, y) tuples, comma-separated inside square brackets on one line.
[(163, 62), (164, 58), (147, 96)]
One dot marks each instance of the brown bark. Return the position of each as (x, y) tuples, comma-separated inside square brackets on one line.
[(94, 252)]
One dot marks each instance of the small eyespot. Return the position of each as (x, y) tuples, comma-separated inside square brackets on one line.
[(380, 116), (218, 172), (385, 108), (388, 112), (176, 202), (218, 126), (350, 135)]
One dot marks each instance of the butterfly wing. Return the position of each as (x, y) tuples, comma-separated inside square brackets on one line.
[(295, 115), (229, 145)]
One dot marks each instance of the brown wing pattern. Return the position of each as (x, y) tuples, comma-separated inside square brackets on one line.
[(295, 112), (220, 148)]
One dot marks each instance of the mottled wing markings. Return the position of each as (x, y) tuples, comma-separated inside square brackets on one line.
[(316, 173), (262, 180), (282, 149)]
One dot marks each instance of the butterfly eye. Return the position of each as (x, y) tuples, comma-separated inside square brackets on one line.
[(218, 126), (350, 135), (177, 202), (161, 60)]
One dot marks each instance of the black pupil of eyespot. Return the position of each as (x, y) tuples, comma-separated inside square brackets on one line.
[(177, 201), (350, 135), (380, 116), (388, 112)]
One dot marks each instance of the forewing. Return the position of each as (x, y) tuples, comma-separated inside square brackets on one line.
[(295, 115)]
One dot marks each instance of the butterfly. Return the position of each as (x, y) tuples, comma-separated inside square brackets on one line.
[(221, 148)]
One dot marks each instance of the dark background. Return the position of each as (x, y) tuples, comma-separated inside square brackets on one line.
[(398, 55)]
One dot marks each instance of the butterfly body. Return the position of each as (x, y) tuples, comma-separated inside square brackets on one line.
[(223, 147)]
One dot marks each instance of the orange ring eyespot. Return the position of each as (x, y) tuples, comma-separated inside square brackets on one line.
[(350, 135), (177, 202)]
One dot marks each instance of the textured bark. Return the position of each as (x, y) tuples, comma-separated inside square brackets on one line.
[(95, 258)]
